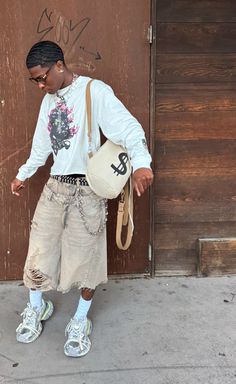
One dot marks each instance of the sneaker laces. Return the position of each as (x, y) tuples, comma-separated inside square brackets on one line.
[(76, 332), (29, 319)]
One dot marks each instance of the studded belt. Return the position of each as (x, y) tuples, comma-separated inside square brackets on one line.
[(71, 179)]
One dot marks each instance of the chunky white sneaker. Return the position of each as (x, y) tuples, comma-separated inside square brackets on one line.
[(78, 343), (31, 326)]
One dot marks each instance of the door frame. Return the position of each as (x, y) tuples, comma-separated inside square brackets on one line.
[(152, 125)]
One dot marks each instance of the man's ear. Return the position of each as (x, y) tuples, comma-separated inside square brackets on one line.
[(60, 66)]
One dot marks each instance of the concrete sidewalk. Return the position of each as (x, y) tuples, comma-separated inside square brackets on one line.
[(152, 331)]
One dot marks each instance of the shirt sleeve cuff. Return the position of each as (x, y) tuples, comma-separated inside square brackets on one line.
[(20, 177), (141, 164)]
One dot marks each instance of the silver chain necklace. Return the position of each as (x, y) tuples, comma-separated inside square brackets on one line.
[(69, 90)]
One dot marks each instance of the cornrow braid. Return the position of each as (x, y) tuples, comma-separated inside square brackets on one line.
[(44, 53)]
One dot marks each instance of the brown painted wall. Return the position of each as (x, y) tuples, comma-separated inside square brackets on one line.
[(118, 32), (195, 187)]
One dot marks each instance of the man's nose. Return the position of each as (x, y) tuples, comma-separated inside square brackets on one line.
[(41, 85)]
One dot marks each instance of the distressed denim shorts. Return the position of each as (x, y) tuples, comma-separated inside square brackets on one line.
[(67, 245)]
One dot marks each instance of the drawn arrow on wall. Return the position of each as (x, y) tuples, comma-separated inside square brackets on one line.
[(96, 55)]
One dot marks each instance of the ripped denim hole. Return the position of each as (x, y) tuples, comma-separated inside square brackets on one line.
[(37, 278)]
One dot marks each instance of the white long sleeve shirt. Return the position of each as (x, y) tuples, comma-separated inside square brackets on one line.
[(68, 142)]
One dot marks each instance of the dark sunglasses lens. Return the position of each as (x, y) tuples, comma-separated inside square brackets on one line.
[(33, 80), (38, 80)]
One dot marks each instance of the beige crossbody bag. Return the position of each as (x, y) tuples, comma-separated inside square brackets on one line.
[(108, 175)]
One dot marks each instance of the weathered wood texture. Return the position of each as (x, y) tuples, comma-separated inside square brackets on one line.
[(196, 11), (196, 37), (192, 68), (195, 188), (217, 256)]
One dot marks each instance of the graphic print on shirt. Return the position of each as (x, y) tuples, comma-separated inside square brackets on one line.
[(60, 127)]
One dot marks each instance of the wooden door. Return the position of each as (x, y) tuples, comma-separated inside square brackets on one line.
[(195, 135), (102, 39)]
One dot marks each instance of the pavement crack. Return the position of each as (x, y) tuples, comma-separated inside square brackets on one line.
[(7, 358), (173, 367)]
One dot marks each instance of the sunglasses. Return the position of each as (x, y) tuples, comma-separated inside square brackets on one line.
[(41, 79)]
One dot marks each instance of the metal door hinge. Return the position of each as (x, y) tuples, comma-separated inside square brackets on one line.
[(150, 34), (149, 252)]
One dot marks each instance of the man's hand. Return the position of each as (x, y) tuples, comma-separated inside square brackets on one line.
[(142, 178), (16, 186)]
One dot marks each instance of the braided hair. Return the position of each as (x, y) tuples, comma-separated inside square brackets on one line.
[(44, 53)]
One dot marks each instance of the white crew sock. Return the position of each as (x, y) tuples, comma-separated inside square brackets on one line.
[(35, 298), (82, 309)]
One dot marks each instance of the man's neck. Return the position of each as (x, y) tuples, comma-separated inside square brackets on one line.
[(68, 79)]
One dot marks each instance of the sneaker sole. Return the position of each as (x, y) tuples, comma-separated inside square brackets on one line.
[(77, 356), (89, 327), (48, 310)]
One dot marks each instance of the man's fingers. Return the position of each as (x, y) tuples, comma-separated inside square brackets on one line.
[(142, 179), (16, 186), (16, 193), (138, 188), (13, 191), (141, 187), (135, 187), (20, 187), (149, 181), (144, 183)]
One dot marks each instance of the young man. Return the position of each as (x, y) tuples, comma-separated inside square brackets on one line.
[(67, 244)]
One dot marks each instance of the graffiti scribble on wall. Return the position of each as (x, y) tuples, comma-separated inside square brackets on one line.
[(67, 34)]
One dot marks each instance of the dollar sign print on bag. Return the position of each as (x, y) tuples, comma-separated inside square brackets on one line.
[(122, 168)]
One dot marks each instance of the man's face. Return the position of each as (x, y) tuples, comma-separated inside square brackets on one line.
[(49, 79)]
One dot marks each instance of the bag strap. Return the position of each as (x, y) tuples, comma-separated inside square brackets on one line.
[(125, 217), (89, 117)]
